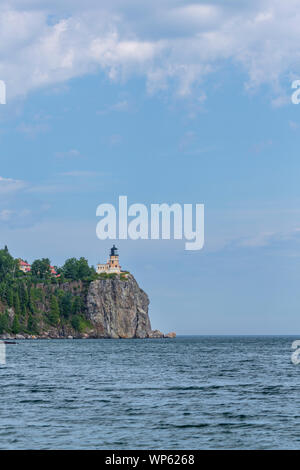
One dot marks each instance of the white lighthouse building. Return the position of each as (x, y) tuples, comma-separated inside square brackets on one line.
[(112, 265)]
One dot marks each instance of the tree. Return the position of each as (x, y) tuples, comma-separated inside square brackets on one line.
[(65, 304), (17, 305), (78, 323), (31, 303), (41, 268), (32, 324), (16, 325), (76, 269), (8, 264), (4, 323), (23, 294), (70, 269), (54, 311), (83, 268), (77, 305), (10, 297), (3, 288)]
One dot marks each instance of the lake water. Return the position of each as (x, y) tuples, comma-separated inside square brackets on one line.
[(186, 393)]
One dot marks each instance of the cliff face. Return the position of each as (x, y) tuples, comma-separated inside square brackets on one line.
[(112, 307), (118, 309)]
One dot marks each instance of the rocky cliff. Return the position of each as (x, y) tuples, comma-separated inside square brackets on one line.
[(118, 309), (111, 307)]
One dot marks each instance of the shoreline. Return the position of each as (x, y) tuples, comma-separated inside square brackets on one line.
[(24, 337)]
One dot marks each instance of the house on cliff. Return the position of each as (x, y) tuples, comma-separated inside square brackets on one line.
[(112, 266), (26, 268)]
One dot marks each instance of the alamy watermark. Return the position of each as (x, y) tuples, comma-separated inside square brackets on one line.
[(154, 224), (295, 355), (2, 92), (296, 95), (2, 353)]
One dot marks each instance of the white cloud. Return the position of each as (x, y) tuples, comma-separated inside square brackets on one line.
[(5, 214), (164, 41), (73, 153), (8, 185), (81, 173), (115, 139), (294, 125), (264, 239), (262, 146), (32, 130), (259, 240), (119, 106)]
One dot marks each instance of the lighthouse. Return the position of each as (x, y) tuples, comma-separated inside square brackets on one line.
[(114, 260), (112, 265)]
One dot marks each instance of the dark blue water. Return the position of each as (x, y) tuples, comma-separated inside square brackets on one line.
[(187, 393)]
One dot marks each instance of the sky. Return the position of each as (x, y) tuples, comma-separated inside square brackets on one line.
[(165, 102)]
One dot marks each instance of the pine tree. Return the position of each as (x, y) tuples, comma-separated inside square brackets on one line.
[(4, 323), (23, 294), (10, 297), (3, 291), (17, 305), (16, 325), (32, 324), (54, 311), (24, 311)]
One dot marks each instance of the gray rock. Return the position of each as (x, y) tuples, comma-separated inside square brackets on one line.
[(172, 334), (155, 334), (118, 309), (6, 336)]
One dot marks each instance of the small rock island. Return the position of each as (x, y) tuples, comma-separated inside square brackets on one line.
[(75, 301)]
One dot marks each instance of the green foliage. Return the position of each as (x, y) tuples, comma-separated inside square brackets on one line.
[(17, 305), (102, 276), (77, 305), (8, 265), (4, 323), (23, 294), (107, 275), (37, 293), (76, 270), (53, 315), (16, 325), (40, 268), (32, 327), (65, 304), (112, 276), (79, 323), (10, 297)]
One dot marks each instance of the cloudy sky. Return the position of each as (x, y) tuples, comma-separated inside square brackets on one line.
[(169, 101)]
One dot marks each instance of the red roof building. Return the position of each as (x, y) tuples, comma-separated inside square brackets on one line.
[(24, 266)]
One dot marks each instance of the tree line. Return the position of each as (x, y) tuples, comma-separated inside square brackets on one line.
[(37, 297)]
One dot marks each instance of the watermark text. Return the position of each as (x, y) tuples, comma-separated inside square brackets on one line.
[(2, 353), (2, 92), (162, 221)]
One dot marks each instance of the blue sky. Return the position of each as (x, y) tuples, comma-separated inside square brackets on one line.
[(183, 102)]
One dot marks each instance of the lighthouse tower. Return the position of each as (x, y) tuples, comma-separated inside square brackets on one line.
[(112, 265)]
